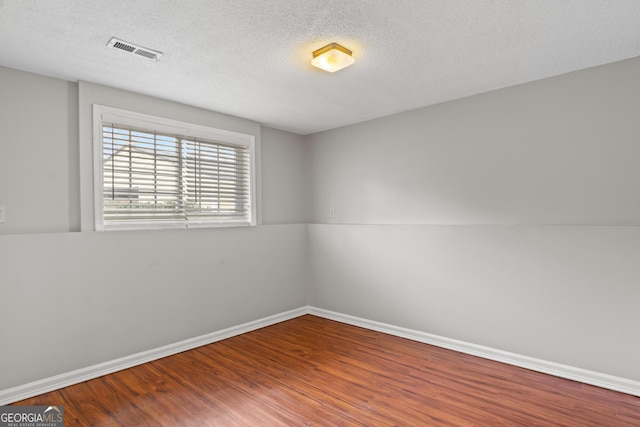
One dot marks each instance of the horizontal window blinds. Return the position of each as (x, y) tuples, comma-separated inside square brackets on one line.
[(149, 177)]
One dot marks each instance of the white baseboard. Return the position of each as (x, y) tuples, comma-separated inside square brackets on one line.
[(564, 371), (35, 388)]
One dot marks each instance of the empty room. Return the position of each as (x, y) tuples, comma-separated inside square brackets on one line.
[(288, 213)]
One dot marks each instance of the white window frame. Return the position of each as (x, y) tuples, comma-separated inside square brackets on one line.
[(103, 114)]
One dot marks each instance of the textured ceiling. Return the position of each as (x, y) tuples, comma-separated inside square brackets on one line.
[(251, 58)]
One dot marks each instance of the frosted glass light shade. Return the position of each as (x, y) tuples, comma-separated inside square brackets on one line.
[(332, 58)]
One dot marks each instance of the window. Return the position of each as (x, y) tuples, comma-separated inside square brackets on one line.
[(158, 173)]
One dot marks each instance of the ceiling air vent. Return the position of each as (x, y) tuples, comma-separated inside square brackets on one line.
[(149, 54)]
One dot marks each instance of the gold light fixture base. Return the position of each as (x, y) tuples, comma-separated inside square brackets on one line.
[(332, 57)]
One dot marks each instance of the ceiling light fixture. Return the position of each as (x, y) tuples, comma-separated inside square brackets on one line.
[(332, 57)]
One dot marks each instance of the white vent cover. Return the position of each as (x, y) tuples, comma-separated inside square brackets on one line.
[(151, 55)]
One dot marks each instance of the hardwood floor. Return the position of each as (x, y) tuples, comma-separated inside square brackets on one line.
[(313, 371)]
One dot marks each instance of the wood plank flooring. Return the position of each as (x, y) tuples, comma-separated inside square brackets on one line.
[(311, 371)]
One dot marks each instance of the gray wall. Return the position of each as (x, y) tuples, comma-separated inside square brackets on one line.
[(75, 299), (508, 219), (38, 153), (558, 151), (72, 300), (563, 294), (285, 156)]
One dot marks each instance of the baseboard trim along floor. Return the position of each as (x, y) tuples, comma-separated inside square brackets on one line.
[(556, 369), (35, 388)]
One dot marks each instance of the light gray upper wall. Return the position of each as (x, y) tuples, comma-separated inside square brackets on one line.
[(38, 153), (285, 165), (558, 151)]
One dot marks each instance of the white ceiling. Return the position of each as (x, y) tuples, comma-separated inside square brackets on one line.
[(251, 58)]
